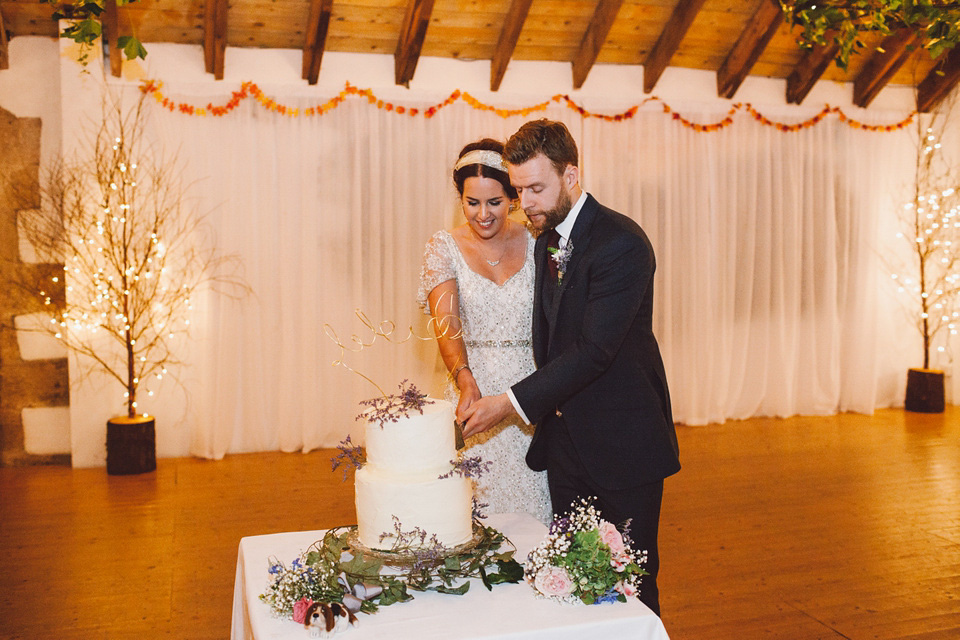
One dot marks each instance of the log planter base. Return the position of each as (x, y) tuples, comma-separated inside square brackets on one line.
[(925, 391), (131, 445)]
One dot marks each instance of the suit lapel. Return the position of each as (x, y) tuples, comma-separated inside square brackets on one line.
[(580, 237)]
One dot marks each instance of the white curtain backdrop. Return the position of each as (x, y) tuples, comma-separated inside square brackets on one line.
[(769, 292)]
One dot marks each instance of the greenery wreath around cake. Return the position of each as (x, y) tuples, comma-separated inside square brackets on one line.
[(333, 573)]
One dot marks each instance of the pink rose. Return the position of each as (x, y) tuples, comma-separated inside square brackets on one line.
[(300, 610), (553, 581), (626, 589), (611, 537)]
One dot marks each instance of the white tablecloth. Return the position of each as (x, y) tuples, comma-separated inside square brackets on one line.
[(508, 611)]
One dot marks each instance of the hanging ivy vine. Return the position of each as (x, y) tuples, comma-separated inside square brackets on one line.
[(84, 26), (936, 22)]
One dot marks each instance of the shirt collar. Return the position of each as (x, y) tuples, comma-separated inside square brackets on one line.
[(565, 228)]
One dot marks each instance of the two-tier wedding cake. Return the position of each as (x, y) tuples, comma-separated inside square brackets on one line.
[(408, 481)]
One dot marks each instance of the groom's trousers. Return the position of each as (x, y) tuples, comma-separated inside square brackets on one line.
[(569, 481)]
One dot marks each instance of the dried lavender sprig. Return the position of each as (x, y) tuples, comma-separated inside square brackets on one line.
[(431, 555), (468, 467), (404, 539), (426, 559), (391, 408), (350, 455), (477, 509)]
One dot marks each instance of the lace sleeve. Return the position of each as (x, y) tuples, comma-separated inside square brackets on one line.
[(437, 267)]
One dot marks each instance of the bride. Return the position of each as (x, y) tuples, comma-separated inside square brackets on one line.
[(477, 283)]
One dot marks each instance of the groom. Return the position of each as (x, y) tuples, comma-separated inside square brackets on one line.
[(599, 395)]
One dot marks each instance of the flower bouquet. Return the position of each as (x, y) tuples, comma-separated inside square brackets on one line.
[(585, 559)]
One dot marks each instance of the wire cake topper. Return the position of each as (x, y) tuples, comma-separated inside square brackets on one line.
[(438, 327)]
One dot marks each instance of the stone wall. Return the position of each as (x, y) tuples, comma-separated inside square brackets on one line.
[(35, 383)]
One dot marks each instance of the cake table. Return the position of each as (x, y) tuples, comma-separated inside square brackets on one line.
[(508, 611)]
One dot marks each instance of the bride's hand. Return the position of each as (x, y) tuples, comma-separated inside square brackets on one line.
[(469, 393)]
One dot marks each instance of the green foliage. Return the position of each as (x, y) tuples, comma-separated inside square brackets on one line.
[(588, 561), (393, 593), (317, 574), (937, 22), (132, 48), (454, 591), (85, 28), (483, 561), (318, 571), (508, 570)]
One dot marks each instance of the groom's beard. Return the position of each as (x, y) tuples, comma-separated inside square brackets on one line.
[(554, 216)]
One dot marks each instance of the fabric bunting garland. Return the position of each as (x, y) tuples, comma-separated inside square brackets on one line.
[(250, 89)]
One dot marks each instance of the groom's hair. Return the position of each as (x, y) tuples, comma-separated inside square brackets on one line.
[(549, 137)]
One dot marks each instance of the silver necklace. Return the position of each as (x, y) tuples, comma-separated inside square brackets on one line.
[(494, 263)]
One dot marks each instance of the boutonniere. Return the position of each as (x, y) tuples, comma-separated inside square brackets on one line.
[(561, 257)]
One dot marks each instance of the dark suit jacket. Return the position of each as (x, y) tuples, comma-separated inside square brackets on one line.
[(599, 365)]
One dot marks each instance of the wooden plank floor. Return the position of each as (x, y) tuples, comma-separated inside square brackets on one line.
[(839, 527)]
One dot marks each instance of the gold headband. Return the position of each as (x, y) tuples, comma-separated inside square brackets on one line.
[(486, 157)]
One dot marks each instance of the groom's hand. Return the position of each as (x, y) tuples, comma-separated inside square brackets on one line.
[(468, 395), (485, 413)]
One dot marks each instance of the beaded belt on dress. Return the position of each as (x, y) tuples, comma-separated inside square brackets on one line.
[(498, 343)]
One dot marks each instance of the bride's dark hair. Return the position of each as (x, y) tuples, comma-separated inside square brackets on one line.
[(486, 144)]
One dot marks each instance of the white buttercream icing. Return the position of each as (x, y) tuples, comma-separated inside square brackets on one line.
[(401, 478)]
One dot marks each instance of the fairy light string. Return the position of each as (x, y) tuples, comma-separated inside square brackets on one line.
[(933, 221), (250, 90)]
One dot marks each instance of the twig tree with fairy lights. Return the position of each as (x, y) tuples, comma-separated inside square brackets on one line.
[(134, 254), (931, 279)]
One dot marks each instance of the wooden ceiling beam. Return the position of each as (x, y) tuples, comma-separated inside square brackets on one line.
[(215, 36), (669, 41), (317, 25), (111, 25), (890, 55), (939, 82), (811, 66), (745, 53), (509, 35), (4, 45), (412, 33), (593, 39)]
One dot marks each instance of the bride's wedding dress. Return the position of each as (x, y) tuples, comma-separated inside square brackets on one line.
[(496, 321)]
